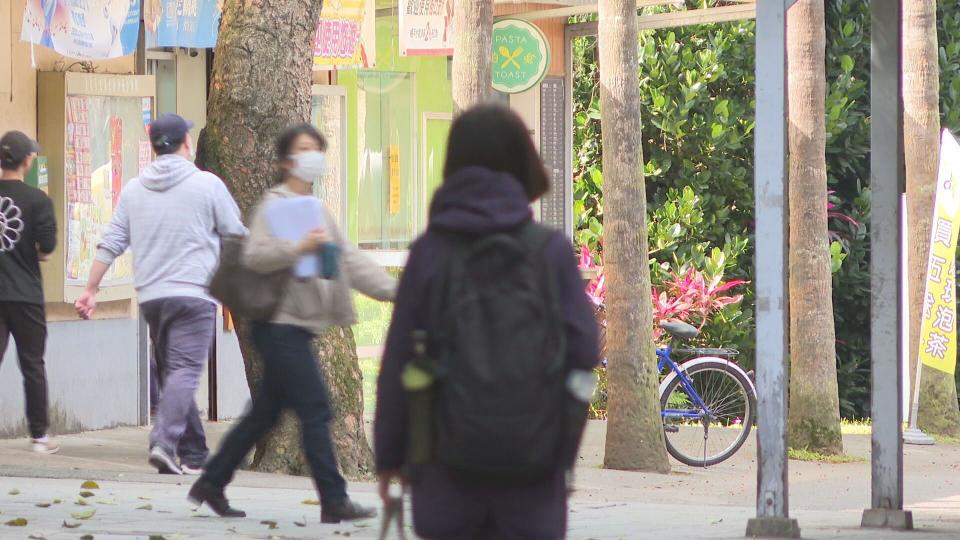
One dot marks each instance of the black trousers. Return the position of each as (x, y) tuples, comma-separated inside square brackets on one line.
[(27, 323), (291, 380)]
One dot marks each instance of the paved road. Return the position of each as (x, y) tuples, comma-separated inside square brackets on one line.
[(690, 503)]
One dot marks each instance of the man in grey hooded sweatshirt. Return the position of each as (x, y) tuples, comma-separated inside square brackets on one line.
[(172, 218)]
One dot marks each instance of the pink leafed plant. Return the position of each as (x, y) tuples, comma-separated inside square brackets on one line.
[(691, 298)]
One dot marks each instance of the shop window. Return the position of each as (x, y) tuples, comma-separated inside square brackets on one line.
[(387, 210)]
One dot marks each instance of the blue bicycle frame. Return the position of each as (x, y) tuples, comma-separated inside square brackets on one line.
[(664, 361)]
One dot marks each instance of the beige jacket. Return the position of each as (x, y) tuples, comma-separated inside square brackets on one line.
[(315, 304)]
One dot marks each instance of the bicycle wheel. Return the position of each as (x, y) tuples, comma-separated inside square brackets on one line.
[(701, 437)]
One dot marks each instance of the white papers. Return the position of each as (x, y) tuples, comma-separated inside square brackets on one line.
[(291, 219)]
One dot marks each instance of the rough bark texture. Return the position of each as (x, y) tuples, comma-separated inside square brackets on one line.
[(261, 84), (939, 412), (635, 429), (473, 26), (814, 414)]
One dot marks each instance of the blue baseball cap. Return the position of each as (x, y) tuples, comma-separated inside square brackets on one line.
[(169, 130)]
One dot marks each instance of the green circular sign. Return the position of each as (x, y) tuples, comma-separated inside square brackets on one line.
[(521, 56)]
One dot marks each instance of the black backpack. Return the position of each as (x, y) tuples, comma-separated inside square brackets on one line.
[(495, 358)]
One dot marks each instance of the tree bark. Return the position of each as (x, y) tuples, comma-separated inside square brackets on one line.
[(260, 85), (939, 413), (635, 439), (472, 50), (814, 414)]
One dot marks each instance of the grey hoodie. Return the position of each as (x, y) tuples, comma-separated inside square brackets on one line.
[(172, 218)]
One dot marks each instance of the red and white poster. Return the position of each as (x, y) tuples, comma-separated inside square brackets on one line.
[(426, 27)]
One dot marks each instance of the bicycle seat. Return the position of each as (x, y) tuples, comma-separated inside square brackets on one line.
[(680, 330)]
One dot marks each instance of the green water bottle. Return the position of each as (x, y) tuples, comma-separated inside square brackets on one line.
[(418, 379)]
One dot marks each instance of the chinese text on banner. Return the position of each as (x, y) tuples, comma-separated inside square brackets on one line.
[(938, 329), (84, 29)]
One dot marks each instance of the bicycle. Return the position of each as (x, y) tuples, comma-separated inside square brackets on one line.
[(708, 403), (707, 400)]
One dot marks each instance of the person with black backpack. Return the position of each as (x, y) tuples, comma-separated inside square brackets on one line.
[(488, 367)]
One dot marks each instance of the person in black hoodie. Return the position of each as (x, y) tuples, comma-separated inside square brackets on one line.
[(28, 235), (492, 175)]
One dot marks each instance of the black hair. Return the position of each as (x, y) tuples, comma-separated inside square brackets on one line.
[(8, 163), (494, 137), (164, 146), (291, 134)]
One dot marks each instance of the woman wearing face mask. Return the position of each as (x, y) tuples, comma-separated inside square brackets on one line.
[(291, 377)]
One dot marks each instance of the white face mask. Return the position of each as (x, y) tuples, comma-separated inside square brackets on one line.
[(309, 166)]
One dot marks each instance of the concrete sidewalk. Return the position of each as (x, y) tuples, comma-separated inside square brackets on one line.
[(689, 503)]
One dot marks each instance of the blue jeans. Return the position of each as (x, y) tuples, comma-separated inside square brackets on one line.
[(291, 380)]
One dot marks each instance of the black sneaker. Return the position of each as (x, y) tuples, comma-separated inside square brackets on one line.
[(204, 491), (345, 511)]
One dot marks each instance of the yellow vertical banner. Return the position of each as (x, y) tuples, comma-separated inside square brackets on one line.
[(394, 205), (938, 329)]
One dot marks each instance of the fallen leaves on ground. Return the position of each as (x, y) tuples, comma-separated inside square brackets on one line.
[(300, 523), (70, 525), (37, 537), (87, 494), (87, 537), (14, 491), (269, 523), (311, 502), (89, 484), (144, 498), (147, 507), (19, 522), (86, 514), (157, 537), (43, 505), (81, 502)]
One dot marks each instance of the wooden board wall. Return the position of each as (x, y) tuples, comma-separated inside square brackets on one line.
[(552, 28)]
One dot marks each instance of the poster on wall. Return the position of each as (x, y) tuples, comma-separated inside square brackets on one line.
[(182, 23), (106, 146), (346, 35), (426, 27), (83, 29)]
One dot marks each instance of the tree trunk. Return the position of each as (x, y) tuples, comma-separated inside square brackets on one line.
[(635, 428), (472, 50), (939, 412), (814, 414), (261, 84)]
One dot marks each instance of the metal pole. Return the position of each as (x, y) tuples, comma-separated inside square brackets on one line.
[(770, 188), (886, 184)]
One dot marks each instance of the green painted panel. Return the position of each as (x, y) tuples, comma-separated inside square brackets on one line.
[(435, 152), (432, 93)]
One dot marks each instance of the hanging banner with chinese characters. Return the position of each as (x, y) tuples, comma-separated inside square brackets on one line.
[(346, 35), (938, 330), (521, 56), (426, 27), (83, 29), (182, 23)]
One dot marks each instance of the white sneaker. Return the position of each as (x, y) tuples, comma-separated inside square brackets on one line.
[(191, 471), (45, 445), (163, 462)]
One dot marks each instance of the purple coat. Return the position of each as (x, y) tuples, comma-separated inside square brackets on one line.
[(476, 201)]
